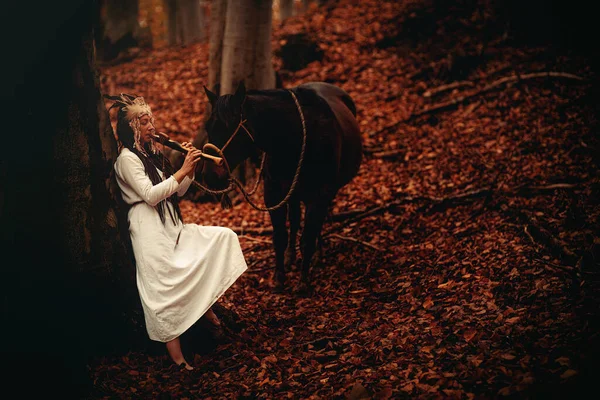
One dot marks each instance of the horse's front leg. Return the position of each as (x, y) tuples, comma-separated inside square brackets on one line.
[(294, 218), (313, 223), (280, 236)]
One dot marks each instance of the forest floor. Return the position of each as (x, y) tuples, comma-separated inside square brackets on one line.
[(461, 262)]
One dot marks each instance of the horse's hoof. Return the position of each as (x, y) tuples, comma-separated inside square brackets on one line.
[(305, 289), (279, 288), (289, 260), (316, 261), (279, 282)]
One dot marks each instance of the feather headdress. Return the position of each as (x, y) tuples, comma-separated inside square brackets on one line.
[(134, 107)]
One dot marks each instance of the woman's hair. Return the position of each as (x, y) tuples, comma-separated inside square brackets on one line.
[(151, 162)]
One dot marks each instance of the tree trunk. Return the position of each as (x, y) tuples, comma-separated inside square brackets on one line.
[(238, 43), (286, 9), (305, 5), (120, 27), (247, 46), (218, 12), (59, 219), (173, 25), (238, 39), (262, 74), (240, 49), (186, 21), (192, 21)]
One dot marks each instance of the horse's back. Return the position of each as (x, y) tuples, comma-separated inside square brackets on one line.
[(348, 143), (328, 92)]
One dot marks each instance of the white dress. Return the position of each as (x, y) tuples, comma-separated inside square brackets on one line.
[(181, 269)]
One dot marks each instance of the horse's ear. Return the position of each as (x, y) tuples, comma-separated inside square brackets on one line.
[(240, 93), (211, 96)]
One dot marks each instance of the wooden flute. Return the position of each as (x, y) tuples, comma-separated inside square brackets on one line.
[(163, 139)]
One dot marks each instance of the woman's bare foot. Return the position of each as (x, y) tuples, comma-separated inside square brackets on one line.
[(212, 317), (174, 349), (187, 366)]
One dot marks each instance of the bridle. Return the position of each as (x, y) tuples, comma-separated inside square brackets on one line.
[(222, 149), (236, 182)]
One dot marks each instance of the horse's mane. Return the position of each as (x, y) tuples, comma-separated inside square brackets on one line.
[(222, 108)]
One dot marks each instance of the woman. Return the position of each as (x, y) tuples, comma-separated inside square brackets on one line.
[(181, 269)]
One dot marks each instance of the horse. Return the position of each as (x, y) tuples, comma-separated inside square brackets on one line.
[(312, 144)]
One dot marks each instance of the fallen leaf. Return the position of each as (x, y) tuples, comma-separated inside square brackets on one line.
[(568, 373), (469, 335)]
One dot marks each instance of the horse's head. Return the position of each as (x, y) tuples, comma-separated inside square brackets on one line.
[(227, 132)]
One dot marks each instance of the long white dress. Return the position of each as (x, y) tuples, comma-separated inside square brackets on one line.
[(181, 269)]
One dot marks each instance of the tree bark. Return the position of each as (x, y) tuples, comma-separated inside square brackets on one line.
[(286, 9), (240, 49), (120, 27), (247, 46), (192, 21), (305, 5), (59, 218), (238, 39), (121, 19), (262, 74), (186, 21), (238, 54), (172, 21), (218, 12)]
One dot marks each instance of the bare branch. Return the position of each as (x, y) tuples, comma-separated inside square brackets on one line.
[(350, 239), (256, 231), (450, 86), (494, 85), (252, 239)]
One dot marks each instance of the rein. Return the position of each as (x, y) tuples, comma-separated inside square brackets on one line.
[(235, 182)]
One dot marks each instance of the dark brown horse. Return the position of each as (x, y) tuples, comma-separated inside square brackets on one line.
[(271, 121)]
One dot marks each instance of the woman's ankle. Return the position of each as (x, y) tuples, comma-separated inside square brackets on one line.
[(181, 362), (174, 350), (212, 317)]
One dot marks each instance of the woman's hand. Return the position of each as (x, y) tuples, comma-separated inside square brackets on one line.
[(189, 163), (191, 159), (187, 146)]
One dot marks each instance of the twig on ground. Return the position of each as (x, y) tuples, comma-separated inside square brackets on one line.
[(389, 153), (256, 231), (252, 239), (316, 340), (350, 239), (346, 214), (529, 235), (450, 86), (557, 266), (540, 235), (445, 201), (253, 270), (549, 187), (494, 85)]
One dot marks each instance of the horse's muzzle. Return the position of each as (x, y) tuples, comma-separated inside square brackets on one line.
[(215, 177)]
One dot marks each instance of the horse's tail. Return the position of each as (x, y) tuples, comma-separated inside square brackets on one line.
[(349, 103)]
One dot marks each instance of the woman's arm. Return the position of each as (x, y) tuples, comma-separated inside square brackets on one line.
[(131, 170), (185, 184), (187, 180)]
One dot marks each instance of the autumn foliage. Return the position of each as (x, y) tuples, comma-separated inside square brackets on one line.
[(462, 262)]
